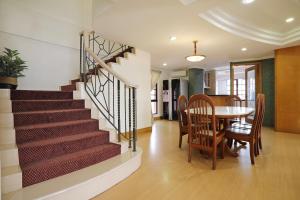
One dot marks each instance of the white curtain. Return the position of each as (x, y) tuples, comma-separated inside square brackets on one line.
[(155, 74)]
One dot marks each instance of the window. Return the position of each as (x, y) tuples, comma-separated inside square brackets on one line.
[(223, 82), (154, 100), (239, 88)]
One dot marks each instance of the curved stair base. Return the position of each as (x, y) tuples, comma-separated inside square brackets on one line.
[(85, 183)]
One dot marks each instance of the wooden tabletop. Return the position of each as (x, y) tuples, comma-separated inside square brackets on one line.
[(230, 111)]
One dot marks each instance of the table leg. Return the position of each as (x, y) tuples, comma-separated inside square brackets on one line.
[(228, 144)]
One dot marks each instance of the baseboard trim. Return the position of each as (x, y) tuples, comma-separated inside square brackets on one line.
[(144, 130), (157, 118)]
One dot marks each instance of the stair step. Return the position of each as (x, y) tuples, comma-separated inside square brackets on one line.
[(6, 120), (38, 105), (46, 149), (43, 170), (7, 136), (121, 54), (5, 106), (49, 116), (9, 155), (4, 94), (11, 179), (38, 95), (45, 131), (74, 81), (68, 88)]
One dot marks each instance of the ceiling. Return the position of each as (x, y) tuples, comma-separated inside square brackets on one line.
[(222, 28)]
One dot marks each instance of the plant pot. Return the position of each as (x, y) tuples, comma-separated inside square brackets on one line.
[(8, 83)]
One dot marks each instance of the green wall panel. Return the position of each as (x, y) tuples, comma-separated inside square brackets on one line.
[(268, 87), (196, 85)]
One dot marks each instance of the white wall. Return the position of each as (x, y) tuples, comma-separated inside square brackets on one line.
[(136, 68), (46, 33)]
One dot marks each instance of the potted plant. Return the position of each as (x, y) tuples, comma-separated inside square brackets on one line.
[(11, 67)]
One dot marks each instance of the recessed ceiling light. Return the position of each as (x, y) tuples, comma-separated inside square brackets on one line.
[(172, 38), (244, 49), (165, 64), (247, 1), (290, 19)]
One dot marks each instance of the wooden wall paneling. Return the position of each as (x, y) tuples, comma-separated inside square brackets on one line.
[(287, 89)]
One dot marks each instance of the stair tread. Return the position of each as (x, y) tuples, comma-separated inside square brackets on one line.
[(50, 111), (39, 94), (47, 100), (68, 157), (62, 139), (6, 171), (54, 124)]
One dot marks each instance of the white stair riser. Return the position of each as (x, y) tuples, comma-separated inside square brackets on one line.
[(7, 136), (11, 182), (6, 120), (5, 106), (9, 157)]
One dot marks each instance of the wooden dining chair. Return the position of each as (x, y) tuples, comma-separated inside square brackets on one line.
[(248, 124), (201, 115), (182, 117), (259, 143), (234, 100), (249, 135)]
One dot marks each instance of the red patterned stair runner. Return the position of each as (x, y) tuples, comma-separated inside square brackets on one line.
[(55, 134)]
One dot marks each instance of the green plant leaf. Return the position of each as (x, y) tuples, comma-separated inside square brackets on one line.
[(11, 65)]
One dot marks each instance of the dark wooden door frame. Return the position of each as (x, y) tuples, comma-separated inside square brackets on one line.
[(258, 74)]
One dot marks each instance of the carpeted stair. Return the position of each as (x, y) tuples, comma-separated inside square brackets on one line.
[(71, 87), (55, 135)]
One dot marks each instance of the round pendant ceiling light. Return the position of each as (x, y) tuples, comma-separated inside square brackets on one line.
[(195, 57)]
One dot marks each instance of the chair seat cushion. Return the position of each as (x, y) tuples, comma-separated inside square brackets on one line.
[(240, 125), (238, 130), (219, 136)]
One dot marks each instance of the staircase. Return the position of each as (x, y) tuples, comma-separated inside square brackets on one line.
[(50, 137), (55, 135)]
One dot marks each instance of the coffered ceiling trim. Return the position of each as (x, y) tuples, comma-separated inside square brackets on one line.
[(226, 22)]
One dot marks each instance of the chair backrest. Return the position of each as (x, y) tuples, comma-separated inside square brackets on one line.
[(201, 113), (259, 115), (182, 115), (233, 100), (261, 98)]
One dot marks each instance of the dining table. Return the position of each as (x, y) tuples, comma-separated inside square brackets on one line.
[(226, 113)]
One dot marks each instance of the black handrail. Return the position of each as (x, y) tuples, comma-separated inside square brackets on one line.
[(100, 83)]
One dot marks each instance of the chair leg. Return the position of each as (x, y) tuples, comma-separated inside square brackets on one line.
[(235, 143), (222, 148), (214, 158), (255, 149), (190, 153), (252, 152), (180, 140), (259, 142), (229, 143)]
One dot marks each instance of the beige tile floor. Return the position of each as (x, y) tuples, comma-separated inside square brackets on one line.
[(166, 174)]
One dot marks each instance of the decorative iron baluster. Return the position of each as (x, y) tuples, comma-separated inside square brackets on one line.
[(129, 117), (125, 131), (81, 61), (119, 119), (99, 84), (134, 118)]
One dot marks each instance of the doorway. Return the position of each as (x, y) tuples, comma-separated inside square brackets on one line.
[(245, 79)]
